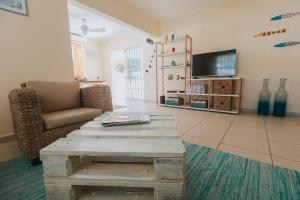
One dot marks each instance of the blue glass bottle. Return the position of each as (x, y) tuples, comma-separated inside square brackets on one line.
[(264, 99), (280, 100)]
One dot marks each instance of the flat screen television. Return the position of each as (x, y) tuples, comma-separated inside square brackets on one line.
[(221, 63)]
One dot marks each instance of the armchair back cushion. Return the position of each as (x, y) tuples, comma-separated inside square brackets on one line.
[(57, 96)]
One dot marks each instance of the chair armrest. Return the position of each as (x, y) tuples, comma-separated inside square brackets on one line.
[(97, 96), (27, 119)]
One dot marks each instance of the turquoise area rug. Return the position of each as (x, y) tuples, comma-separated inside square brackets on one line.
[(211, 174)]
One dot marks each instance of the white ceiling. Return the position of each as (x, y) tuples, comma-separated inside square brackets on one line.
[(169, 9), (94, 20)]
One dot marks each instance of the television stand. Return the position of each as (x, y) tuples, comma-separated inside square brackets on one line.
[(216, 94)]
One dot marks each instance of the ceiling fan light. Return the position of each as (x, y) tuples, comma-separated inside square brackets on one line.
[(84, 29)]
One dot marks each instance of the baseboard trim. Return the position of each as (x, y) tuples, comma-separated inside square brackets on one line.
[(252, 110), (7, 137)]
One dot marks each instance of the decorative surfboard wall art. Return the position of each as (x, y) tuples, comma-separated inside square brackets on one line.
[(286, 44), (268, 33), (284, 16)]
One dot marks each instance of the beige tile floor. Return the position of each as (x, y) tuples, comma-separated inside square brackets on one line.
[(266, 139)]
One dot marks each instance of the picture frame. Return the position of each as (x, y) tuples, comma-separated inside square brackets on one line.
[(15, 6)]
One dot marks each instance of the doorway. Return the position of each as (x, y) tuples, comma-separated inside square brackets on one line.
[(127, 75)]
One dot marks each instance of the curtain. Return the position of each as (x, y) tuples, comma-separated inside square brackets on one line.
[(78, 60)]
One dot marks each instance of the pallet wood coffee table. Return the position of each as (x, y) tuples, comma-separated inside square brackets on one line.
[(115, 168), (162, 126)]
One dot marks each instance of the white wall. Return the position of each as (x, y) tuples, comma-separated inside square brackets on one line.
[(93, 62), (127, 41), (34, 47), (232, 24)]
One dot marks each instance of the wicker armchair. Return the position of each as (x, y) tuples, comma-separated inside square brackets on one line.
[(29, 121)]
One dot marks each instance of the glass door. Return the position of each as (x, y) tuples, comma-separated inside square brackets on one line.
[(127, 75)]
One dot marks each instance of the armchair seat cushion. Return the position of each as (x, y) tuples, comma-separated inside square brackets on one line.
[(71, 116)]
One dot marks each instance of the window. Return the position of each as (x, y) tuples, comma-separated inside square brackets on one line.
[(78, 55)]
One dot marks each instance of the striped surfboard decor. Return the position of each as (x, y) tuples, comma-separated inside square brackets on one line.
[(268, 33), (286, 44), (286, 15)]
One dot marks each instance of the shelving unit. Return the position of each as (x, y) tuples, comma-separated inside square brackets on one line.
[(235, 96), (224, 100), (164, 56)]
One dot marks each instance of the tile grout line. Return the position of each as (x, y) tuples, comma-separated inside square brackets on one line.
[(185, 133), (246, 149), (286, 159), (225, 133), (268, 141)]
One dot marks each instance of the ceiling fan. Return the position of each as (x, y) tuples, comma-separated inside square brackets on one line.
[(85, 29)]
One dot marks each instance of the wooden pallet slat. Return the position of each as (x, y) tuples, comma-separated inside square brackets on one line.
[(115, 147), (132, 134), (154, 125)]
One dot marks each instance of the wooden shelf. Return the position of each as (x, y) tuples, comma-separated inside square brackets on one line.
[(195, 94), (194, 108), (234, 111), (172, 67), (175, 80), (225, 111), (214, 95), (224, 95), (184, 107), (164, 105), (176, 40), (174, 54), (214, 78), (175, 93)]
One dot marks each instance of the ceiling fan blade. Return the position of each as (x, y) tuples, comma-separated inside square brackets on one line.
[(103, 29), (76, 34)]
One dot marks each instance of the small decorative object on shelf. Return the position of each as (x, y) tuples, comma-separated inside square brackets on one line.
[(198, 88), (173, 37), (187, 63), (174, 101), (264, 99), (195, 103), (166, 39), (173, 63), (172, 91), (173, 49), (170, 76), (177, 77), (280, 100), (162, 99)]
